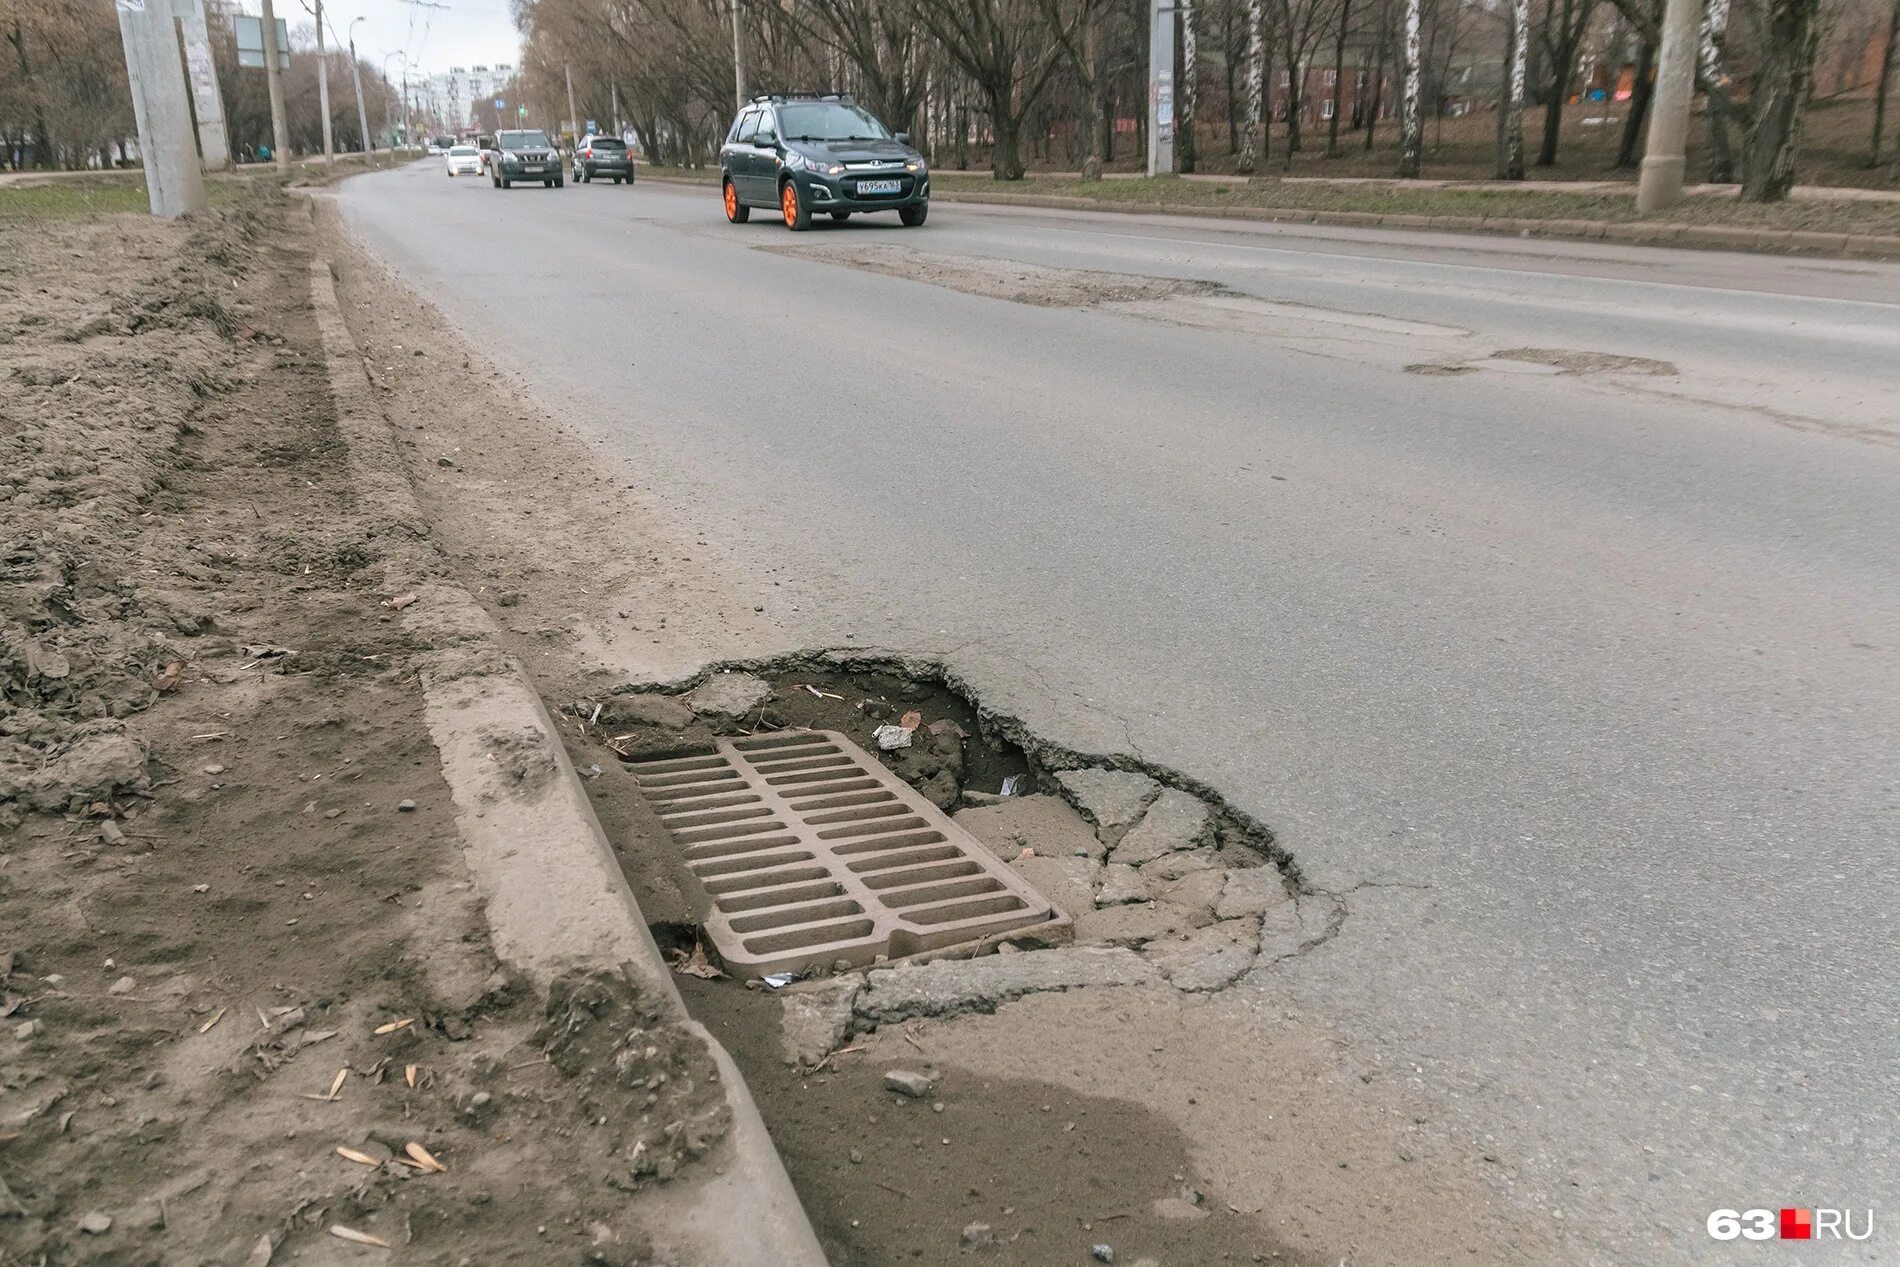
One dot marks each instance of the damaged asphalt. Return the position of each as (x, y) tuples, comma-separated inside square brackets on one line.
[(1574, 688)]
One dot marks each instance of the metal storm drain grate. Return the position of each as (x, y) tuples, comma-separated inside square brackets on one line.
[(813, 852)]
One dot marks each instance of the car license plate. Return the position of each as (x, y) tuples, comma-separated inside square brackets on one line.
[(531, 167), (879, 186)]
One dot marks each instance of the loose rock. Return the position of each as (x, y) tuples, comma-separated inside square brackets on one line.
[(1102, 1253), (95, 1223), (1121, 884), (406, 806), (978, 1236), (124, 985), (909, 1082), (728, 695)]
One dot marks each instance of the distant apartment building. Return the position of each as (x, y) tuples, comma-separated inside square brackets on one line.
[(451, 96)]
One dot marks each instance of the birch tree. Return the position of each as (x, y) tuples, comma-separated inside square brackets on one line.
[(1411, 130), (1190, 77), (1511, 157), (1256, 83)]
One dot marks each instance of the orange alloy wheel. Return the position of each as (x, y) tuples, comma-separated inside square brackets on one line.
[(732, 202), (788, 200)]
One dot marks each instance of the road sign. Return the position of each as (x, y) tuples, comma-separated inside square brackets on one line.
[(250, 42), (499, 103)]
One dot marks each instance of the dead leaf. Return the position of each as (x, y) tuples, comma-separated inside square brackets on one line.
[(400, 601), (697, 965), (360, 1158), (169, 676), (911, 720), (409, 1074), (424, 1158), (361, 1238), (393, 1026), (342, 1076)]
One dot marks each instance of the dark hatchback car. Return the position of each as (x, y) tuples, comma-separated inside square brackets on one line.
[(807, 156), (603, 156), (526, 154)]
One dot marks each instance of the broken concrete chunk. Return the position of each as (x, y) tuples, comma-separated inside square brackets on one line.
[(909, 1082), (949, 986), (1044, 823), (1068, 883), (1136, 924), (1174, 823), (817, 1018), (1111, 799), (1197, 891), (1289, 928), (1207, 958), (1171, 867), (644, 710), (1121, 884), (729, 695), (1252, 891)]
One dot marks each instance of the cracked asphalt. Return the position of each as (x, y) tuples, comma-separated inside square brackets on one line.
[(1580, 690)]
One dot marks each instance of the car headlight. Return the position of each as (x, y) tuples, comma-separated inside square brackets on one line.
[(822, 166), (914, 165), (510, 156)]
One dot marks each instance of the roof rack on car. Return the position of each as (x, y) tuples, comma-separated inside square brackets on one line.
[(801, 96)]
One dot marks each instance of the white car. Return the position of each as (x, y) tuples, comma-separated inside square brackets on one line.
[(464, 160)]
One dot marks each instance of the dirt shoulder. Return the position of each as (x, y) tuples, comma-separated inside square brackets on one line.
[(250, 1007), (1174, 1127)]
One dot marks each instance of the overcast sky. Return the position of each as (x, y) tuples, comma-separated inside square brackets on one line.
[(466, 33)]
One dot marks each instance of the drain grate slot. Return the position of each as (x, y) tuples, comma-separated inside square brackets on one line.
[(814, 852)]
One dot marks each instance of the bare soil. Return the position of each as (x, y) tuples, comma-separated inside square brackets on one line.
[(235, 931)]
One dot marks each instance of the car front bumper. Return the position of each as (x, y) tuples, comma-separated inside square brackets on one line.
[(515, 169), (840, 193)]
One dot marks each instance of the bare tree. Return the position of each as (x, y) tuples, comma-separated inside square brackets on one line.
[(885, 48), (1511, 151), (1009, 53), (1256, 84), (1190, 87), (1885, 82), (1565, 22), (1339, 77), (1411, 133)]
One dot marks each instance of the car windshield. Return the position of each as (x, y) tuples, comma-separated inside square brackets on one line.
[(829, 121), (463, 150), (608, 143), (522, 141)]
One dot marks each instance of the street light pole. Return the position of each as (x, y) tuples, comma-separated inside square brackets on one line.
[(274, 81), (323, 92), (573, 121), (1161, 87), (356, 79), (1660, 183), (738, 62), (155, 74)]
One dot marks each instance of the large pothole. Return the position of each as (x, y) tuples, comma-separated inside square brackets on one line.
[(1160, 880)]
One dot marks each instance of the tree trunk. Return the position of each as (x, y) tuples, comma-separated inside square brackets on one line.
[(1295, 93), (1233, 116), (1716, 81), (1411, 137), (1006, 162), (1641, 89), (963, 135), (1886, 81), (1781, 93), (1256, 85), (1511, 144), (1339, 78), (1190, 75), (1378, 85)]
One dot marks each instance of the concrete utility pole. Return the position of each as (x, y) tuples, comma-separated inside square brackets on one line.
[(738, 62), (323, 92), (174, 183), (274, 81), (214, 142), (1663, 160), (573, 120), (356, 79), (1160, 87)]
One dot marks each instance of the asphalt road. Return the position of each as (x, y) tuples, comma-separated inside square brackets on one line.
[(1583, 687)]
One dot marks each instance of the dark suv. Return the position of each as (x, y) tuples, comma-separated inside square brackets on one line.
[(602, 155), (525, 154), (806, 156)]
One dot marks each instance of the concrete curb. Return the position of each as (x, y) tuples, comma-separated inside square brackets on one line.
[(1709, 237), (1642, 233), (553, 894)]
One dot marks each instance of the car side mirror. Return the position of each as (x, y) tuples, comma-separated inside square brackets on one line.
[(766, 140), (903, 138)]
